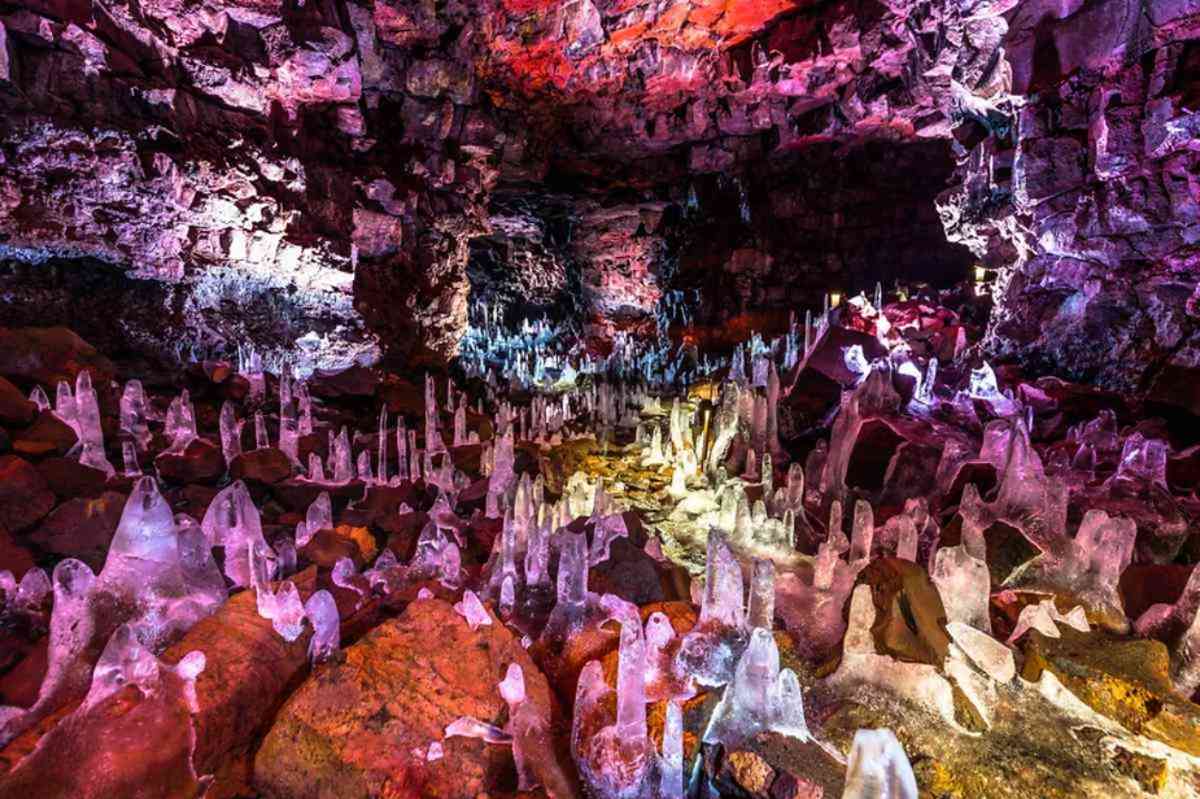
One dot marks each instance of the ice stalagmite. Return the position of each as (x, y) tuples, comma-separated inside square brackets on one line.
[(964, 583), (144, 570), (670, 768), (231, 432), (289, 431), (571, 610), (318, 517), (381, 461), (471, 609), (180, 423), (87, 417), (64, 406), (1087, 566), (232, 521), (262, 439), (709, 652), (281, 604), (72, 628), (130, 458), (133, 415), (343, 466), (617, 759), (322, 614), (38, 397), (877, 768), (759, 698)]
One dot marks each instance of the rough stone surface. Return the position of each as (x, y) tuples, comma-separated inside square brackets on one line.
[(361, 727), (24, 496)]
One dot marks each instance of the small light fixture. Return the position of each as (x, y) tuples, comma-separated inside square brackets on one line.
[(835, 299), (980, 274)]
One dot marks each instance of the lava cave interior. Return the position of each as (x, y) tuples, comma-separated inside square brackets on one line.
[(620, 399)]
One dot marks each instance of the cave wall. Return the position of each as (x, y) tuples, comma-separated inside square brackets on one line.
[(1085, 197), (325, 167), (309, 153)]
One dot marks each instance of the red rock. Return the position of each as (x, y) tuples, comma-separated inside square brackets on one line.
[(68, 478), (266, 465), (48, 435), (24, 496), (361, 726), (81, 528), (46, 355), (356, 381), (249, 670), (327, 547), (14, 557), (200, 462), (14, 407)]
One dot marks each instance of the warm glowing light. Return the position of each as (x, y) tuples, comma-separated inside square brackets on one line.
[(835, 299)]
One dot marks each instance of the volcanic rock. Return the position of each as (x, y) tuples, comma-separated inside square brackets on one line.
[(363, 726)]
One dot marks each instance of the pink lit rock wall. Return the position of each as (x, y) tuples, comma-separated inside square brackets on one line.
[(1087, 200)]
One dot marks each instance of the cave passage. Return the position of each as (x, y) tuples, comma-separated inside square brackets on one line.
[(599, 399)]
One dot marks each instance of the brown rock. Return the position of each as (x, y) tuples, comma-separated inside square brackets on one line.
[(68, 478), (14, 557), (910, 621), (200, 462), (327, 547), (14, 407), (361, 727), (357, 381), (297, 495), (249, 669), (48, 435), (750, 772), (24, 496), (47, 355), (81, 528), (630, 574), (266, 465), (1127, 680), (100, 751)]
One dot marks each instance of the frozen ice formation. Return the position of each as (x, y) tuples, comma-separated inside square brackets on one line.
[(281, 605), (710, 651), (760, 698), (919, 683), (134, 415), (964, 584), (614, 752), (322, 613), (168, 580), (72, 630), (877, 768), (232, 521), (86, 405), (180, 423), (1045, 617), (1087, 566), (471, 609)]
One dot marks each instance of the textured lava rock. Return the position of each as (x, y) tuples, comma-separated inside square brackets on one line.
[(24, 496), (81, 528), (201, 461), (266, 465), (14, 407), (249, 669), (362, 727)]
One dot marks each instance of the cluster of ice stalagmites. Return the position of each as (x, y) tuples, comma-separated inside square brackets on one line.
[(801, 560)]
